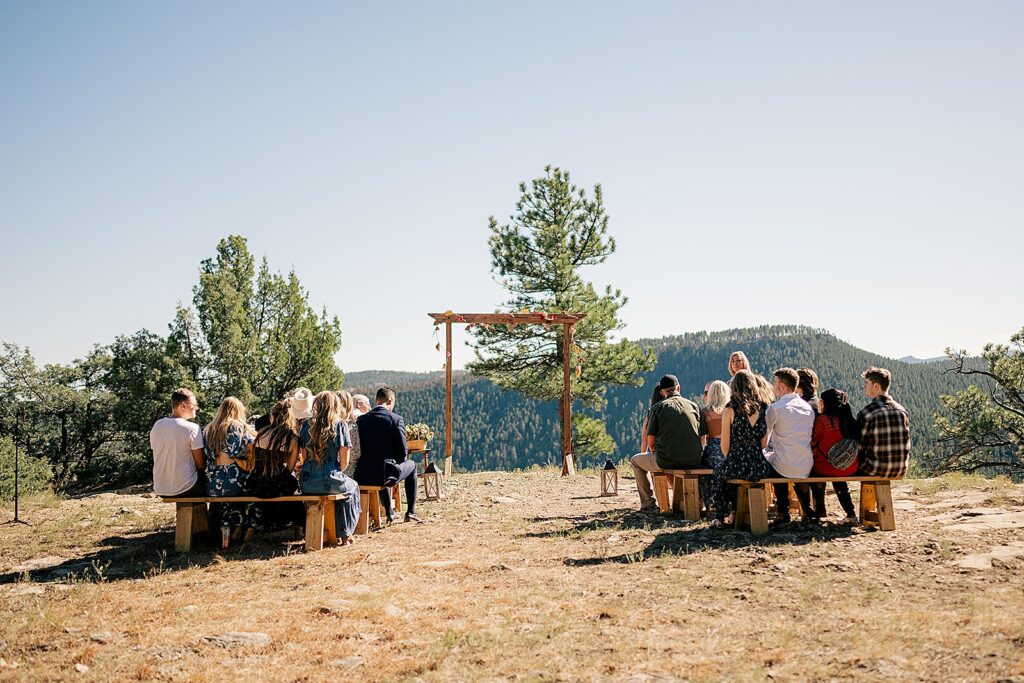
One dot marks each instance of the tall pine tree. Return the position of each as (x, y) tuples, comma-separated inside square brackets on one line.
[(555, 232)]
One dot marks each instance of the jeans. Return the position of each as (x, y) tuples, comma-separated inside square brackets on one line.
[(642, 463), (842, 490)]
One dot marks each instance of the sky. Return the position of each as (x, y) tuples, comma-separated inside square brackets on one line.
[(851, 166)]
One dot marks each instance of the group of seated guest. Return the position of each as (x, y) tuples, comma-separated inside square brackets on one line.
[(327, 444), (752, 429)]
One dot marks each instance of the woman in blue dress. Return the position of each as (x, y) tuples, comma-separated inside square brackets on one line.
[(744, 435), (327, 443), (227, 440)]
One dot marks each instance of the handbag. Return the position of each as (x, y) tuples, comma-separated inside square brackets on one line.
[(843, 454)]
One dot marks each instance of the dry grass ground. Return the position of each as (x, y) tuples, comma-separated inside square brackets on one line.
[(523, 576)]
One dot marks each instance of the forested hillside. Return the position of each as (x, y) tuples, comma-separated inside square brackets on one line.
[(496, 430)]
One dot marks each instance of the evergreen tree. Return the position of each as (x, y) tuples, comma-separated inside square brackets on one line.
[(253, 334), (556, 231), (982, 427)]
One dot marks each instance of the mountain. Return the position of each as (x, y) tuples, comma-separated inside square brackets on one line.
[(496, 430), (914, 359)]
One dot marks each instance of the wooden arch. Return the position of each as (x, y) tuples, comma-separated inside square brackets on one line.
[(567, 320)]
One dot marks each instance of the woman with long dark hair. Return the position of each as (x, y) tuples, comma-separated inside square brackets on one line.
[(326, 440), (834, 445), (744, 434), (276, 452)]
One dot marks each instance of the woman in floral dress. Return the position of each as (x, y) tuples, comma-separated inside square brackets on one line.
[(744, 433), (227, 440)]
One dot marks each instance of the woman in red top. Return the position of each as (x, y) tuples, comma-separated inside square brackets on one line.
[(835, 422)]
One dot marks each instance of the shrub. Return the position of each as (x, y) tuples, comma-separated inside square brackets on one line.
[(34, 473)]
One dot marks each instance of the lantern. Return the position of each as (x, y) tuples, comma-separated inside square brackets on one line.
[(433, 488), (609, 479)]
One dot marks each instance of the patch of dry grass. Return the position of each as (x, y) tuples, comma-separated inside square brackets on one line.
[(559, 585)]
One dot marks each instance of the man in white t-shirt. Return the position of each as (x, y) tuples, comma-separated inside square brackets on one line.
[(177, 443), (790, 423)]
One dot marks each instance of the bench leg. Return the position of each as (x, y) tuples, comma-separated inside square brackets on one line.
[(742, 506), (686, 497), (758, 510), (314, 525), (886, 517), (330, 530), (200, 520), (396, 496), (868, 502), (375, 512), (183, 527), (362, 526), (661, 492)]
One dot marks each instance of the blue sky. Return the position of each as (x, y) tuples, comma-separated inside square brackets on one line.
[(850, 166)]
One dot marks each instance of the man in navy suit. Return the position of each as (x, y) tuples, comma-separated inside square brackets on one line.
[(384, 458)]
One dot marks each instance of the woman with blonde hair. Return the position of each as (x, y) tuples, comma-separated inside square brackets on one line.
[(738, 361), (325, 436), (744, 434), (349, 413), (276, 454), (227, 440), (716, 397)]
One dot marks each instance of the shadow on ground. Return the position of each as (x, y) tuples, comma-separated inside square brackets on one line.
[(143, 555), (676, 536)]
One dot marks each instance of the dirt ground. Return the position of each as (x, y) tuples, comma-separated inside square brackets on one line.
[(525, 577)]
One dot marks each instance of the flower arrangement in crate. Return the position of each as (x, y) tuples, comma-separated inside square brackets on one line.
[(417, 435)]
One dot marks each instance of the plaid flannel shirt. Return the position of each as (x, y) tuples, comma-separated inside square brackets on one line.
[(884, 438)]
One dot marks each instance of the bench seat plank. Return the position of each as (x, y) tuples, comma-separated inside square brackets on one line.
[(253, 499), (810, 480)]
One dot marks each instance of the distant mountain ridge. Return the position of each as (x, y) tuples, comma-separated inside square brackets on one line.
[(503, 430)]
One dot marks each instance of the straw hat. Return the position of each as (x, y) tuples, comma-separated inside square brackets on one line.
[(302, 404)]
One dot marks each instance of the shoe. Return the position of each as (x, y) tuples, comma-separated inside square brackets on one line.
[(851, 519), (409, 517), (391, 481)]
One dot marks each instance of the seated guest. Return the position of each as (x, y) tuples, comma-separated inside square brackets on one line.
[(227, 440), (808, 387), (644, 461), (276, 453), (716, 397), (765, 390), (361, 405), (738, 361), (884, 428), (325, 438), (177, 445), (385, 457), (832, 425), (349, 415), (675, 426), (744, 434), (790, 421)]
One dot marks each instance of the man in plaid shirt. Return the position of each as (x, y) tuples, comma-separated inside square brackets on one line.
[(884, 428)]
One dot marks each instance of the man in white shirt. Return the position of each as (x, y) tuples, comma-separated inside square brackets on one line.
[(790, 423), (177, 443)]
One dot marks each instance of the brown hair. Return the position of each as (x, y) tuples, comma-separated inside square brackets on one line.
[(765, 390), (385, 395), (746, 398), (788, 377), (880, 376), (808, 384), (323, 424), (182, 395)]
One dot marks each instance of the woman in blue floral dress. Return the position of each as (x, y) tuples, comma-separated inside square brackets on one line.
[(227, 440), (326, 440), (744, 432)]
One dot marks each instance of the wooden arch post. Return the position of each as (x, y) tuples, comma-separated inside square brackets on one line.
[(568, 322)]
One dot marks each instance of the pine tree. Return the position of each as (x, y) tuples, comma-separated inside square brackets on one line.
[(556, 231)]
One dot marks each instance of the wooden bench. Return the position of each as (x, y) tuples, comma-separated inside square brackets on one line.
[(875, 501), (370, 507), (192, 517), (685, 492)]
